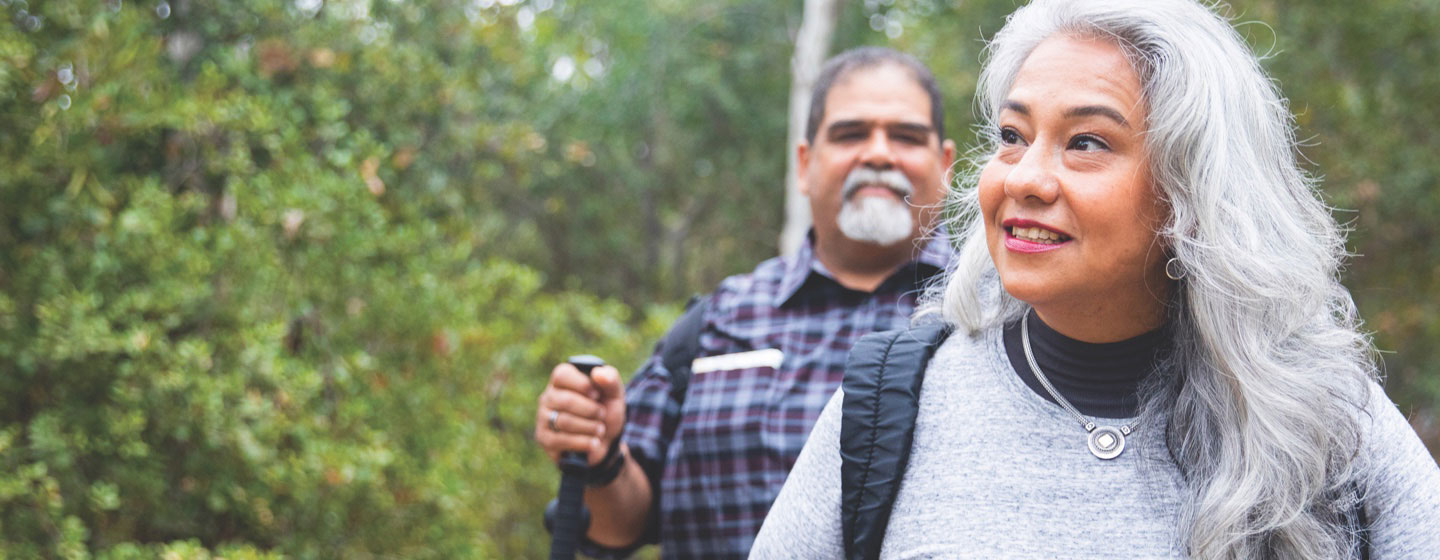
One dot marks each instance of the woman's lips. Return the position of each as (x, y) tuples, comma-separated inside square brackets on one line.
[(1026, 236)]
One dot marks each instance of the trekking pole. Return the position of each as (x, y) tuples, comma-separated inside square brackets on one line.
[(571, 517)]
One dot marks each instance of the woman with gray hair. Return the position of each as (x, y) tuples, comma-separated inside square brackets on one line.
[(1152, 354)]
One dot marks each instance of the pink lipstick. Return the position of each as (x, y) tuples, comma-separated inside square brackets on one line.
[(1029, 236)]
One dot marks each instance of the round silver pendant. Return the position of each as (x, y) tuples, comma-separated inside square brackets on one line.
[(1106, 442)]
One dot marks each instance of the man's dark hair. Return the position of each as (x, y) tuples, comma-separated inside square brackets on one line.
[(869, 57)]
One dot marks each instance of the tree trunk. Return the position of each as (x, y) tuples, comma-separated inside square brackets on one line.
[(812, 44)]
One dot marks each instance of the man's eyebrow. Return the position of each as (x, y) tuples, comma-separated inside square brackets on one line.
[(845, 124), (914, 127), (906, 126)]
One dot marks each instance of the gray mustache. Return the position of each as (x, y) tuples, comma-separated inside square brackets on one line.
[(892, 179)]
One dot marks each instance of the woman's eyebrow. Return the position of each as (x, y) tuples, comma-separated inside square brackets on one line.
[(1073, 112), (1097, 111)]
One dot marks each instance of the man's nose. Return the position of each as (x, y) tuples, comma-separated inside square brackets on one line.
[(878, 152), (1033, 177)]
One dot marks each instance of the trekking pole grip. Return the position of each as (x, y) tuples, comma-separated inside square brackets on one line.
[(571, 519)]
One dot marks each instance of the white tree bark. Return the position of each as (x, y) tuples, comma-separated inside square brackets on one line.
[(812, 45)]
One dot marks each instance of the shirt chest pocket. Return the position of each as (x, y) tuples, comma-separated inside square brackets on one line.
[(729, 399)]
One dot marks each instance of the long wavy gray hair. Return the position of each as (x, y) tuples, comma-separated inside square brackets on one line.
[(1269, 366)]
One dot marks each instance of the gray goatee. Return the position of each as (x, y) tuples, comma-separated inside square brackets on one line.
[(874, 219)]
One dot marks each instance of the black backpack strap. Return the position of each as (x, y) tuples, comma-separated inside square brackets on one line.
[(1356, 522), (882, 396), (681, 345), (678, 349), (1362, 531)]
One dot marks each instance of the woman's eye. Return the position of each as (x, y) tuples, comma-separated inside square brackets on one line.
[(1009, 136), (1087, 143)]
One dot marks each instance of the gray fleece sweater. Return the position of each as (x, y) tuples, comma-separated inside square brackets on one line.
[(998, 472)]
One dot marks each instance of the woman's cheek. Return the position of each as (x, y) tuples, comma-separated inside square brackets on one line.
[(992, 191)]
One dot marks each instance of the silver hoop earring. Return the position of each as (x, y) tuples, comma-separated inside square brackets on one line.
[(1174, 270)]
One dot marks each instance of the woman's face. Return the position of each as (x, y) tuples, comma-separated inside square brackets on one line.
[(1069, 207)]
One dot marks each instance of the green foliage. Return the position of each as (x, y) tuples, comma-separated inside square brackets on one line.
[(1352, 81), (222, 335), (284, 278)]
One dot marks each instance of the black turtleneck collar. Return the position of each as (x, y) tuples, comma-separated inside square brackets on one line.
[(1100, 380)]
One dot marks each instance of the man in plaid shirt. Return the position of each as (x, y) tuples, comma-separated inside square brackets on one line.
[(697, 472)]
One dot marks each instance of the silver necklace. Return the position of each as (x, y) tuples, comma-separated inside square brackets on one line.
[(1105, 442)]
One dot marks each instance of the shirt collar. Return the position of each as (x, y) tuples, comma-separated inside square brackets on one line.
[(804, 264)]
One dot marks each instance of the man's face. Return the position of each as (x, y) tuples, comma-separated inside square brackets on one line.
[(877, 170)]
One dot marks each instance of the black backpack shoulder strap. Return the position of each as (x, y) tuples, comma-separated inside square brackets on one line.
[(882, 396), (681, 345), (678, 349), (1356, 523)]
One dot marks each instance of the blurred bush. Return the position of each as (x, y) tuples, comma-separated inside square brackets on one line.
[(244, 311)]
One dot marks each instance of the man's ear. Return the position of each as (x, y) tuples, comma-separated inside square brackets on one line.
[(947, 159), (802, 166)]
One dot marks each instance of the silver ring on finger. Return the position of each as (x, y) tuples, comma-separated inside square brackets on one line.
[(554, 415)]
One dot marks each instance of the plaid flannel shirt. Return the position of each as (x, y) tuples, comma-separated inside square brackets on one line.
[(718, 460)]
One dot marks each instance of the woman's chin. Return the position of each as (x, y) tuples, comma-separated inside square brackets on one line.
[(1029, 292)]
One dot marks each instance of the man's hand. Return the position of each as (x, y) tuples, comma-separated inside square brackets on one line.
[(580, 413)]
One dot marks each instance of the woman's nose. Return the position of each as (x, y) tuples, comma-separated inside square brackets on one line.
[(1033, 177)]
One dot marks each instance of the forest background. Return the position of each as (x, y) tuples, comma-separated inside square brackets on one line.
[(284, 278)]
